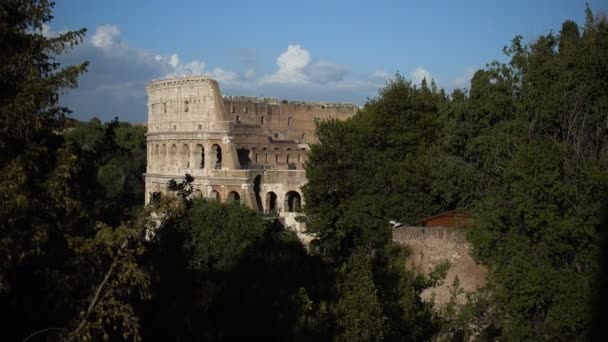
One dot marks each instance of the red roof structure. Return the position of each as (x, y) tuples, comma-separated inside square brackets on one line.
[(452, 218)]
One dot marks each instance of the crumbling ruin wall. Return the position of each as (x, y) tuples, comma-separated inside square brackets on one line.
[(429, 246)]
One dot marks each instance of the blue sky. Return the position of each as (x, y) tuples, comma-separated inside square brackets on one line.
[(339, 51)]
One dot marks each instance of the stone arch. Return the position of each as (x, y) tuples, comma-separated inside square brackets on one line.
[(244, 156), (214, 195), (234, 197), (199, 156), (257, 182), (293, 201), (197, 194), (216, 151), (157, 161), (271, 202), (163, 157), (173, 157), (185, 156)]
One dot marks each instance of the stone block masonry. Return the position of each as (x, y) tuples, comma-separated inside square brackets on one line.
[(245, 149)]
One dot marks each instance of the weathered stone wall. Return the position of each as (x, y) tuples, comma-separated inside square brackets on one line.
[(430, 246), (234, 147), (284, 120)]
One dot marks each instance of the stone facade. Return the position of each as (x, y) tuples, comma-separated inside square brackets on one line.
[(245, 149)]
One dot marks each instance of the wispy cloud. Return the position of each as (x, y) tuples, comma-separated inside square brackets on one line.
[(118, 74), (464, 81), (421, 74)]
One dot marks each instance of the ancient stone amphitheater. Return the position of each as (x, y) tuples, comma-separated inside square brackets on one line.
[(250, 150)]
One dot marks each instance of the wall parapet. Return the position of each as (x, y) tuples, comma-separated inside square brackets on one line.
[(418, 235), (275, 101)]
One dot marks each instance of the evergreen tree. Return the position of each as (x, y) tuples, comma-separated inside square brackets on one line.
[(61, 275)]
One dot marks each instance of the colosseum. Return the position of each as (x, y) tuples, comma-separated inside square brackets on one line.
[(244, 149)]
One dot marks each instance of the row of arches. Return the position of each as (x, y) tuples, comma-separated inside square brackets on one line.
[(270, 205), (163, 157)]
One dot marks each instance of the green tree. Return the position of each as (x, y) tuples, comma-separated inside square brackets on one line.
[(225, 272), (541, 156), (358, 312), (61, 275), (364, 172), (116, 152), (374, 168)]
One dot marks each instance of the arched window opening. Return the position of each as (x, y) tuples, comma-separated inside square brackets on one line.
[(293, 201), (214, 195), (271, 203), (256, 158), (157, 161), (186, 106), (289, 121), (173, 156), (197, 194), (257, 184), (277, 158), (200, 156), (262, 120), (234, 197), (244, 156), (267, 158), (238, 119), (163, 156), (185, 156), (217, 152), (288, 158)]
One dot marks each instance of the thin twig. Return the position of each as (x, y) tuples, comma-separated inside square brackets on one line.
[(98, 291), (41, 332)]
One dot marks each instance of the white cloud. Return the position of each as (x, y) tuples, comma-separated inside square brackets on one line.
[(107, 37), (47, 31), (295, 67), (118, 74), (173, 60), (464, 81), (419, 74), (380, 75), (291, 65), (227, 77)]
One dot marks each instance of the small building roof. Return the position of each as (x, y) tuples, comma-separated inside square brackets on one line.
[(447, 214)]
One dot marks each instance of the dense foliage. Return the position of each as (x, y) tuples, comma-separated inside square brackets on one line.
[(56, 248), (525, 151)]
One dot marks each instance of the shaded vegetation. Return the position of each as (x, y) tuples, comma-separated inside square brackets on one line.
[(525, 151)]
